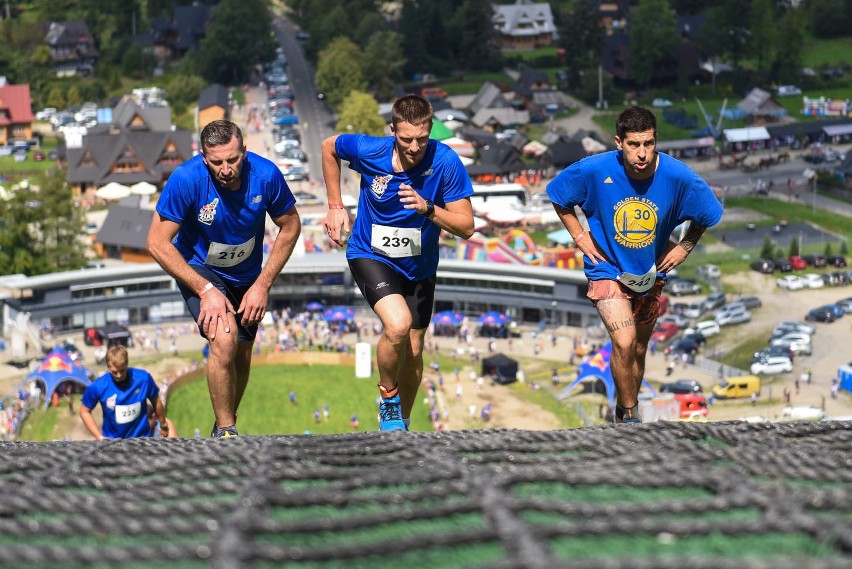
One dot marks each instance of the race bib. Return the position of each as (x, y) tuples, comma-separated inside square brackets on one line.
[(127, 413), (395, 241), (221, 255), (639, 283)]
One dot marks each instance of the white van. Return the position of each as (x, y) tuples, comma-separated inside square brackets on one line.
[(789, 91)]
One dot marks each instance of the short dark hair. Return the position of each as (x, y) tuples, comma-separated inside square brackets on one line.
[(413, 109), (635, 119), (220, 132)]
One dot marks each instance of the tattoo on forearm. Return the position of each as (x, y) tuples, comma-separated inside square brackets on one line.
[(623, 324), (690, 240)]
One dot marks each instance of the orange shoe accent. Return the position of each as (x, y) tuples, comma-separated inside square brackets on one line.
[(386, 394)]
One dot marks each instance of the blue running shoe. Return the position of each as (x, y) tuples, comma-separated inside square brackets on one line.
[(225, 432), (390, 414)]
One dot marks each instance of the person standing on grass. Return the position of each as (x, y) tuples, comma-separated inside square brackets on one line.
[(412, 188), (207, 233), (633, 198)]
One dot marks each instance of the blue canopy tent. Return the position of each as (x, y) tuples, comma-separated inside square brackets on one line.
[(338, 314), (56, 368), (448, 317), (597, 367)]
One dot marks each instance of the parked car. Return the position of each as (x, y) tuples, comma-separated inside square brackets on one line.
[(708, 272), (661, 103), (750, 301), (845, 304), (836, 260), (714, 300), (678, 320), (782, 330), (769, 351), (812, 280), (694, 309), (765, 266), (815, 260), (783, 265), (799, 326), (793, 345), (683, 346), (789, 91), (790, 282), (306, 198), (820, 314), (772, 364), (798, 263), (679, 287), (736, 306), (730, 318), (681, 386), (836, 309), (741, 386), (705, 327), (665, 331)]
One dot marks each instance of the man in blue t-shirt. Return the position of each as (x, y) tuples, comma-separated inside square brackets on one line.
[(632, 198), (123, 394), (412, 187), (208, 233)]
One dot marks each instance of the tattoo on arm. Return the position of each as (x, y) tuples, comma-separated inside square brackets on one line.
[(630, 322), (690, 240)]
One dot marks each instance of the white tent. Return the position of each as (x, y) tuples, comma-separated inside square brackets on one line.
[(592, 146), (143, 189), (113, 191)]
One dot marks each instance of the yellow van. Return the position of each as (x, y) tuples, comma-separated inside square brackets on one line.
[(733, 387)]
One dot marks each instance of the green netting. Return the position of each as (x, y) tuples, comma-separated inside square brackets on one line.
[(664, 495)]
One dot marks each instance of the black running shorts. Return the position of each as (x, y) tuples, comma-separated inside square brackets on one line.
[(378, 280)]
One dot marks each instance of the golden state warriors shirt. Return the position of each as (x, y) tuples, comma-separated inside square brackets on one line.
[(384, 230), (631, 220), (221, 228)]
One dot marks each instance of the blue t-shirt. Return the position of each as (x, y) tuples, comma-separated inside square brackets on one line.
[(220, 228), (631, 220), (439, 177), (124, 408)]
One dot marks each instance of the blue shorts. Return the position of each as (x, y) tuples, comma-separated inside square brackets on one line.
[(233, 293)]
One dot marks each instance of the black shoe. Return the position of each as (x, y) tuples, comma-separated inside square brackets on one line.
[(627, 416)]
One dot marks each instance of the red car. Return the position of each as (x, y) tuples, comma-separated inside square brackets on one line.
[(665, 331), (798, 263)]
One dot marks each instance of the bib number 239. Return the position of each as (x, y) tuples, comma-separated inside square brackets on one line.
[(395, 241)]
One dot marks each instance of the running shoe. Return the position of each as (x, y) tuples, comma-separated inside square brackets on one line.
[(225, 432), (627, 416), (390, 412)]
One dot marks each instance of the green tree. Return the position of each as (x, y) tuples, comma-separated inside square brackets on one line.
[(794, 247), (238, 38), (763, 37), (766, 250), (183, 91), (359, 113), (478, 47), (580, 34), (56, 99), (72, 96), (339, 71), (384, 62), (830, 18), (653, 38), (791, 43), (828, 250), (844, 248), (42, 229)]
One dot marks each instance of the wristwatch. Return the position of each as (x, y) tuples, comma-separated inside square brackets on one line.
[(430, 209)]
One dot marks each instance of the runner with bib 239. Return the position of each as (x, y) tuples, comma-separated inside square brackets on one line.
[(632, 198)]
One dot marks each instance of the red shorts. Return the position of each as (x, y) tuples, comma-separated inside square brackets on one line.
[(646, 308)]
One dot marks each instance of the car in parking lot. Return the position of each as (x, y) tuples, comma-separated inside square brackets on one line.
[(836, 260), (734, 317), (708, 272), (678, 320), (798, 263), (750, 301), (790, 282), (845, 304), (836, 309), (769, 351), (815, 260), (714, 300), (665, 331), (306, 198), (683, 346), (772, 364), (661, 103), (820, 314), (681, 386), (788, 91), (694, 309), (783, 265), (678, 287), (765, 266), (705, 327), (798, 326), (812, 280), (792, 344)]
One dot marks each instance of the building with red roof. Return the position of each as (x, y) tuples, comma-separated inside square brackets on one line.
[(16, 113)]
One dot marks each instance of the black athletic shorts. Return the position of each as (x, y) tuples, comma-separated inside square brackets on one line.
[(233, 293), (377, 280)]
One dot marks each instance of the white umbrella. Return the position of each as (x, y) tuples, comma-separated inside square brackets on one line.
[(143, 189), (113, 191)]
